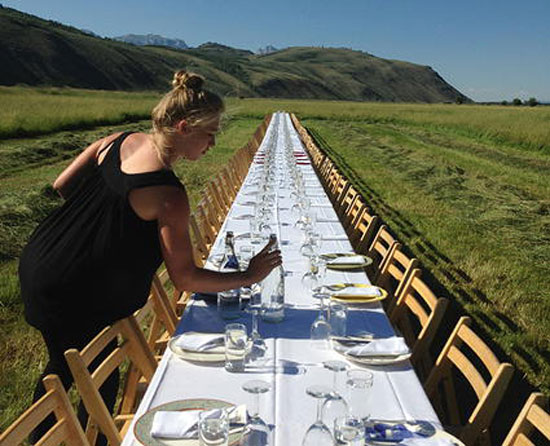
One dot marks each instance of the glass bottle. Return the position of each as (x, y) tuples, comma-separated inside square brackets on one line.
[(228, 300), (273, 291)]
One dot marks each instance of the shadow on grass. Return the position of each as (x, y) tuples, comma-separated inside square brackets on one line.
[(491, 325)]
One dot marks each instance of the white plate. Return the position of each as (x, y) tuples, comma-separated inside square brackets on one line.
[(215, 355), (369, 360)]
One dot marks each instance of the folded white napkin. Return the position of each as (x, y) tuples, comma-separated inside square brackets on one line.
[(347, 260), (200, 342), (370, 291), (336, 238), (427, 442), (381, 347), (175, 424)]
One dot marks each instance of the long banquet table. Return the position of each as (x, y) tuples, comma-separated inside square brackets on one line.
[(396, 393)]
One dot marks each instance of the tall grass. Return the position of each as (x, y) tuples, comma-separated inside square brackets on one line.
[(528, 127), (32, 111)]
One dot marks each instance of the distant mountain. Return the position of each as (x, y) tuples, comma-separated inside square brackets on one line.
[(152, 39), (266, 50), (34, 51)]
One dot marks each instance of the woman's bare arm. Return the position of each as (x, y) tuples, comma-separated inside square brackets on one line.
[(81, 166), (173, 221)]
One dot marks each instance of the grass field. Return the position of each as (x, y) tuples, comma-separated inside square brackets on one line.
[(25, 198), (465, 188)]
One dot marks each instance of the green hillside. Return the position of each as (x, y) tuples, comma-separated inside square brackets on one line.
[(40, 52)]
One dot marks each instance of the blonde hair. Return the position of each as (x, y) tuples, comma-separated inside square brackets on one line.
[(187, 100)]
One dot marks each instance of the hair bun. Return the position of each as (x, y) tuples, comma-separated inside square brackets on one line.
[(184, 79)]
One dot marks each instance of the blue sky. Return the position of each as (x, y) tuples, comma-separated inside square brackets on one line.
[(489, 49)]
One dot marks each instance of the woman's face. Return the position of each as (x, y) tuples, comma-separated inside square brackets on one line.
[(195, 141)]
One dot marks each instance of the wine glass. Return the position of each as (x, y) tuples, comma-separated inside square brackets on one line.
[(318, 433), (256, 431), (334, 406), (320, 329)]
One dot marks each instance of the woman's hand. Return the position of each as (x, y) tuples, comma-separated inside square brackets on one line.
[(262, 263)]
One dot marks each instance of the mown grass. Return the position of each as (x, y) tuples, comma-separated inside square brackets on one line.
[(25, 198), (463, 187), (477, 215)]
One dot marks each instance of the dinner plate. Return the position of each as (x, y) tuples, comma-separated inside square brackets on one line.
[(369, 360), (215, 355), (345, 266), (142, 427), (354, 299)]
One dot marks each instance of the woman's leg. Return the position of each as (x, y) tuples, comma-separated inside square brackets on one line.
[(57, 342)]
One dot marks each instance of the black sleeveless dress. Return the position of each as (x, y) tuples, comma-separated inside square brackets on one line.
[(91, 262)]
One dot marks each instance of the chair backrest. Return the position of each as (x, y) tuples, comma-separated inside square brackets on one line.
[(379, 250), (55, 401), (417, 315), (462, 345), (364, 230), (353, 213), (345, 202), (339, 189), (532, 420), (201, 247), (394, 273), (132, 346)]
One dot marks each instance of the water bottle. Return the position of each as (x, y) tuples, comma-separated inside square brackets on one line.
[(229, 301), (273, 292)]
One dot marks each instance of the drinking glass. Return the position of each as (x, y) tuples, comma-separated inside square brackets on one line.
[(236, 341), (254, 307), (213, 428), (349, 431), (256, 432), (335, 406), (338, 315), (359, 382), (318, 433), (229, 304)]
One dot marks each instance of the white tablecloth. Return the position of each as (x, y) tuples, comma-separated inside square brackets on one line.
[(396, 393)]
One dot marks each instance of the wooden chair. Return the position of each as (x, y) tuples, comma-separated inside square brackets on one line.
[(379, 250), (462, 345), (533, 419), (417, 315), (200, 245), (394, 274), (55, 401), (133, 346), (363, 231), (353, 213), (339, 190), (345, 202)]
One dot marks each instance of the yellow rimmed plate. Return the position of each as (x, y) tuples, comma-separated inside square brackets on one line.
[(354, 298), (345, 266), (142, 428), (214, 355)]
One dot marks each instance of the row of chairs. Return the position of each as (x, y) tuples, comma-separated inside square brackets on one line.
[(141, 337), (417, 313), (219, 194)]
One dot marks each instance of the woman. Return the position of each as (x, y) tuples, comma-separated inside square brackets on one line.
[(91, 262)]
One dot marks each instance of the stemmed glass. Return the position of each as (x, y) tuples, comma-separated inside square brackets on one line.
[(318, 433), (320, 329), (334, 406), (257, 431)]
